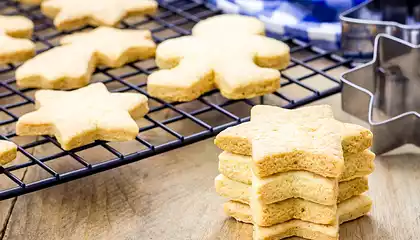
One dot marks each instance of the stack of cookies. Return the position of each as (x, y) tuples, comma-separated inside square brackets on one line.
[(294, 172)]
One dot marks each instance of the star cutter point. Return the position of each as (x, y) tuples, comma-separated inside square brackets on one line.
[(384, 92)]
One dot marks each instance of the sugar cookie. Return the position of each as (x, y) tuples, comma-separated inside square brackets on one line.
[(238, 167), (237, 139), (12, 31), (71, 65), (84, 115), (241, 192), (77, 13), (292, 208), (355, 138), (295, 184), (313, 146), (17, 26), (225, 51), (348, 210), (8, 152)]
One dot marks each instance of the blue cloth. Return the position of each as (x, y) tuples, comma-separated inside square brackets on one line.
[(315, 21)]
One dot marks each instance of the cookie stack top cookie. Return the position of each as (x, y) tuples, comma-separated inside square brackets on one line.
[(238, 139)]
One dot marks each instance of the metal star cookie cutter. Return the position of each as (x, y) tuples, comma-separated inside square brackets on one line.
[(362, 23), (386, 93)]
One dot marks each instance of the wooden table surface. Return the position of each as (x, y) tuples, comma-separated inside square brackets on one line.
[(171, 196)]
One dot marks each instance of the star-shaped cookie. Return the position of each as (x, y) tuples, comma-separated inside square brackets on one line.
[(237, 139), (71, 65), (8, 152), (225, 51), (77, 13), (348, 210), (314, 147), (13, 48), (84, 115)]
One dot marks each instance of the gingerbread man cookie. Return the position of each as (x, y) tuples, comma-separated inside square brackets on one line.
[(71, 65), (226, 51), (84, 115), (77, 13), (13, 47)]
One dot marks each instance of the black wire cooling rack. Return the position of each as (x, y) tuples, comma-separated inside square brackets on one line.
[(42, 162)]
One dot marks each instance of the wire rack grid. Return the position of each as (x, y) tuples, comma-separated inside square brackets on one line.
[(43, 163)]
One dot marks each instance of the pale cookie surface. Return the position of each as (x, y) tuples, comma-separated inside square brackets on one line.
[(237, 139), (8, 152), (71, 65), (238, 167), (241, 192), (82, 116), (77, 13), (314, 146), (13, 47), (351, 209), (16, 26), (292, 208), (225, 51), (277, 115), (355, 138)]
